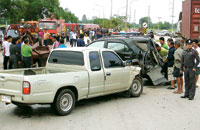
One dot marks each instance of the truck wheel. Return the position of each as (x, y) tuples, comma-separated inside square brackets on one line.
[(136, 88), (64, 102)]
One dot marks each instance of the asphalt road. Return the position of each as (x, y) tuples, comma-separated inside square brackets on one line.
[(156, 109)]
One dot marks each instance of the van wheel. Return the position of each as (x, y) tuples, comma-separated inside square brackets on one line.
[(64, 102), (136, 88)]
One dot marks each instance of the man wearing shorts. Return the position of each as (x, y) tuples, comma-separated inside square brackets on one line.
[(170, 64), (177, 65)]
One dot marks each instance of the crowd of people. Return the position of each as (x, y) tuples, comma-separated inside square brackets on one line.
[(17, 53), (181, 60), (83, 38)]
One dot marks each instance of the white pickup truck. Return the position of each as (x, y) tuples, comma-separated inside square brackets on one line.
[(69, 76)]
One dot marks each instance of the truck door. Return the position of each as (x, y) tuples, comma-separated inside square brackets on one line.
[(155, 74), (96, 74), (116, 74)]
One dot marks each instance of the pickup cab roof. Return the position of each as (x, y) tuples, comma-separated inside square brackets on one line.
[(82, 49)]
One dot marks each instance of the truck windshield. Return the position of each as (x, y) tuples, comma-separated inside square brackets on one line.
[(29, 25), (47, 25), (67, 57), (13, 33)]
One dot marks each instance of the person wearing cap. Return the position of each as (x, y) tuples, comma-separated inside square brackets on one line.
[(189, 67), (196, 47)]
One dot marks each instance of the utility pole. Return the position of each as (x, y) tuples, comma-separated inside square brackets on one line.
[(134, 18), (172, 15), (126, 15), (149, 16), (159, 23), (130, 11), (111, 14)]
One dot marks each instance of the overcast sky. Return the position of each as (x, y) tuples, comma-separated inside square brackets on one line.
[(158, 8)]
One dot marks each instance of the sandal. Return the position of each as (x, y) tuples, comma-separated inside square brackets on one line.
[(170, 87), (177, 92)]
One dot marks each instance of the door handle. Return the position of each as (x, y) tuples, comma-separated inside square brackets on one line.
[(108, 74)]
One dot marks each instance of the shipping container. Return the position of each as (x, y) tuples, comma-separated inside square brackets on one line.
[(191, 19)]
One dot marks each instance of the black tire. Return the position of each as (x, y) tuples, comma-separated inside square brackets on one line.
[(65, 97), (136, 88)]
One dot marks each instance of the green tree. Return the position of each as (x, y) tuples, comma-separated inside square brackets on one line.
[(65, 14), (15, 10), (12, 10), (145, 19)]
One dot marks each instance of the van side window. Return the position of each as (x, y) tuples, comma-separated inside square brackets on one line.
[(98, 44), (118, 47), (95, 63)]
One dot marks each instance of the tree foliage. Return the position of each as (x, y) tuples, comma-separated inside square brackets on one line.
[(15, 10), (146, 20)]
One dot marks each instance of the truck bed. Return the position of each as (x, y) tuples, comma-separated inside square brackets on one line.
[(44, 82), (40, 71)]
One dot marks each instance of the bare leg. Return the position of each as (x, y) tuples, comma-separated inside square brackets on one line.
[(181, 80), (178, 79), (173, 83), (197, 78)]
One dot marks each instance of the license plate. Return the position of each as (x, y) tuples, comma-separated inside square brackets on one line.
[(6, 99)]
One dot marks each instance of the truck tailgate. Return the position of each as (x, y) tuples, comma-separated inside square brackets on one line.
[(11, 84)]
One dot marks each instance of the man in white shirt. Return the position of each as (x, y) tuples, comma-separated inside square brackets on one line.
[(6, 53), (196, 47), (86, 39), (74, 37)]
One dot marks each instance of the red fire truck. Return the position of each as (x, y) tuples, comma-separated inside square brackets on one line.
[(52, 25)]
